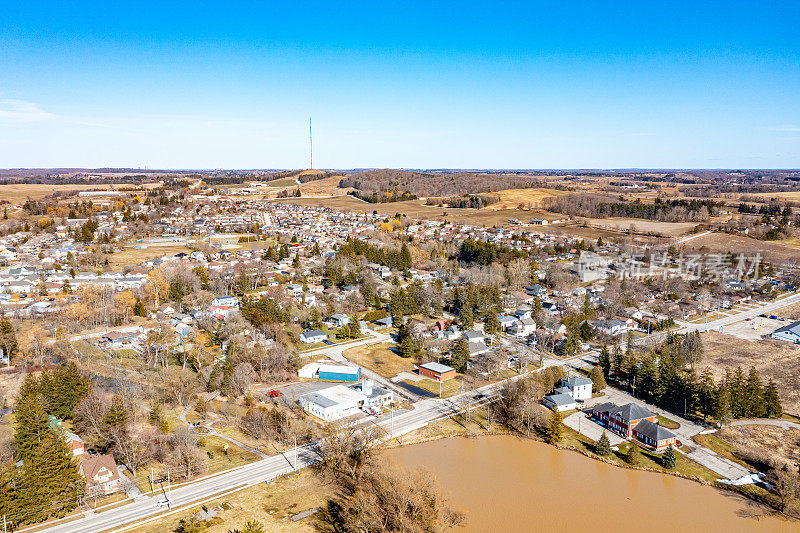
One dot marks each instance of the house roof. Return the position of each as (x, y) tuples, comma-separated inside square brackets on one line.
[(575, 381), (561, 399), (436, 367), (313, 333), (92, 464), (629, 411), (794, 328), (653, 431)]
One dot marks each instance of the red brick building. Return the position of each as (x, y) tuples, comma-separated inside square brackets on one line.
[(436, 371)]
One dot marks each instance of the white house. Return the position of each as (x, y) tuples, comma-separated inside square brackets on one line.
[(789, 333), (227, 301), (579, 388), (559, 402), (522, 328), (311, 336), (474, 336)]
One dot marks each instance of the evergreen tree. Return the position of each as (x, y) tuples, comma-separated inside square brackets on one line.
[(705, 393), (555, 430), (603, 446), (466, 318), (754, 394), (155, 414), (32, 422), (634, 454), (52, 483), (604, 361), (491, 323), (669, 460), (8, 338), (772, 402), (460, 355)]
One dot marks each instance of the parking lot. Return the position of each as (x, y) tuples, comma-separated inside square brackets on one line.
[(581, 423), (754, 329)]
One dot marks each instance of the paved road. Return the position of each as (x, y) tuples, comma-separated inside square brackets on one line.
[(766, 308), (424, 412)]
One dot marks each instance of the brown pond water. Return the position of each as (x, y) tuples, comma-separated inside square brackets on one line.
[(510, 484)]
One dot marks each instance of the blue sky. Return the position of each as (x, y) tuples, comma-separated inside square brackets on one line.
[(401, 84)]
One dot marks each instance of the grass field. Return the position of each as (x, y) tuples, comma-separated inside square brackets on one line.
[(18, 193), (667, 229), (522, 198), (773, 359), (724, 243), (449, 388), (271, 504), (380, 358), (132, 256), (776, 444)]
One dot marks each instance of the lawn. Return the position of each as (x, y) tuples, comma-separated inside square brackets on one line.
[(132, 256), (380, 358), (271, 504), (448, 388), (667, 422), (648, 459)]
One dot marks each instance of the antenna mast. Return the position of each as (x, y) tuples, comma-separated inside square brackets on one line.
[(310, 146)]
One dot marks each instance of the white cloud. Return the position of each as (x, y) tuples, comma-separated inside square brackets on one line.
[(22, 111)]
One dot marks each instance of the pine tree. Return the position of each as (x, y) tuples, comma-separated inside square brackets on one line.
[(155, 414), (603, 446), (772, 402), (604, 361), (52, 483), (634, 454), (754, 394), (460, 355), (669, 460), (32, 423), (8, 338), (555, 430)]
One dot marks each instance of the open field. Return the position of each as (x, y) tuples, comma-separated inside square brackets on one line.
[(773, 359), (522, 198), (380, 358), (667, 229), (418, 210), (724, 243), (19, 192), (271, 504), (132, 256), (772, 443)]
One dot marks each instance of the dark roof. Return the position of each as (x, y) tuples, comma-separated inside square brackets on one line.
[(653, 431), (633, 411), (629, 411)]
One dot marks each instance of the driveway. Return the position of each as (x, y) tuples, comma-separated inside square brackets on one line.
[(581, 423)]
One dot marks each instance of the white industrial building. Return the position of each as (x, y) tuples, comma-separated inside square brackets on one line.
[(341, 401)]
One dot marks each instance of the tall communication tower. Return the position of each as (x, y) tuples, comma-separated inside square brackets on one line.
[(310, 146)]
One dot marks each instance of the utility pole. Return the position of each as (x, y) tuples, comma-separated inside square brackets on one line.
[(295, 453), (169, 492), (310, 146)]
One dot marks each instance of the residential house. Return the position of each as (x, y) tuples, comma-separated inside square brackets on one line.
[(579, 388), (311, 336), (100, 473)]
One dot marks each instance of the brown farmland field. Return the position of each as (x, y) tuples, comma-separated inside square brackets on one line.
[(18, 193), (724, 243), (773, 359)]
